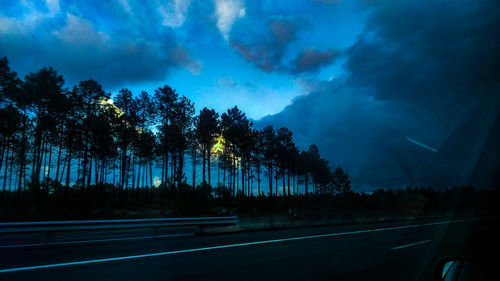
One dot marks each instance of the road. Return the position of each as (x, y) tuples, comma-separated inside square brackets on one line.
[(379, 251)]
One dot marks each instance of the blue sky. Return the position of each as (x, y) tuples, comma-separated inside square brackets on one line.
[(218, 53)]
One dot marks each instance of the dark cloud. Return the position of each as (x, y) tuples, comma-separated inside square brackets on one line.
[(310, 60), (267, 46), (284, 30), (420, 69), (434, 55), (82, 48)]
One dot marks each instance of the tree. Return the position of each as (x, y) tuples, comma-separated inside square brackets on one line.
[(341, 182), (235, 129), (284, 154), (126, 131), (10, 124), (313, 158), (41, 122), (43, 93), (176, 118), (269, 152), (88, 98), (165, 99), (257, 154), (10, 90), (13, 119), (182, 125), (207, 129), (146, 139)]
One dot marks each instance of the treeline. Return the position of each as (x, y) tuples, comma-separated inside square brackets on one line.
[(82, 138)]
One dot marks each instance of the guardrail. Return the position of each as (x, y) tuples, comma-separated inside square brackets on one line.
[(56, 226)]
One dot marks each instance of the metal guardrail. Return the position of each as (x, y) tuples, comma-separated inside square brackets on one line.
[(55, 226)]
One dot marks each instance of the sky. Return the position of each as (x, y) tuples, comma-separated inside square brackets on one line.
[(380, 86), (220, 53)]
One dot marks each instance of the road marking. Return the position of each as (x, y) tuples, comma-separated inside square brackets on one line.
[(96, 240), (411, 244), (222, 247)]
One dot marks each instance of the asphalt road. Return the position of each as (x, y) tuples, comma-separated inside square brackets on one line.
[(381, 251)]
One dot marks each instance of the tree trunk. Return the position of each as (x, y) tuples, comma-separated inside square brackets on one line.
[(11, 172), (2, 154), (85, 160), (50, 161), (288, 182), (22, 155), (258, 180), (89, 176), (181, 167), (68, 168), (209, 170), (306, 183), (150, 173), (283, 179), (58, 158), (233, 168), (276, 181), (139, 173), (194, 168), (144, 171), (224, 177), (204, 165), (97, 168), (270, 168), (5, 171), (163, 171)]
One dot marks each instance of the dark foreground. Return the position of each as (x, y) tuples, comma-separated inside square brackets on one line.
[(382, 251)]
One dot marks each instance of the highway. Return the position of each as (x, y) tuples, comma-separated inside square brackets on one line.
[(377, 251)]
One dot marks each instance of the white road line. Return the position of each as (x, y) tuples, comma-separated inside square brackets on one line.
[(95, 240), (411, 244), (222, 247)]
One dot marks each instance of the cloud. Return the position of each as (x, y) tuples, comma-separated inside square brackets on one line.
[(283, 29), (125, 4), (227, 12), (435, 55), (226, 83), (181, 57), (420, 70), (79, 32), (174, 12), (363, 135), (310, 60), (265, 45), (10, 25), (53, 6), (82, 47)]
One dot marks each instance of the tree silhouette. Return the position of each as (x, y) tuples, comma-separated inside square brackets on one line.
[(78, 137), (257, 154), (165, 99), (207, 129), (269, 142), (341, 182), (88, 97), (145, 142), (43, 92), (235, 128), (126, 132)]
